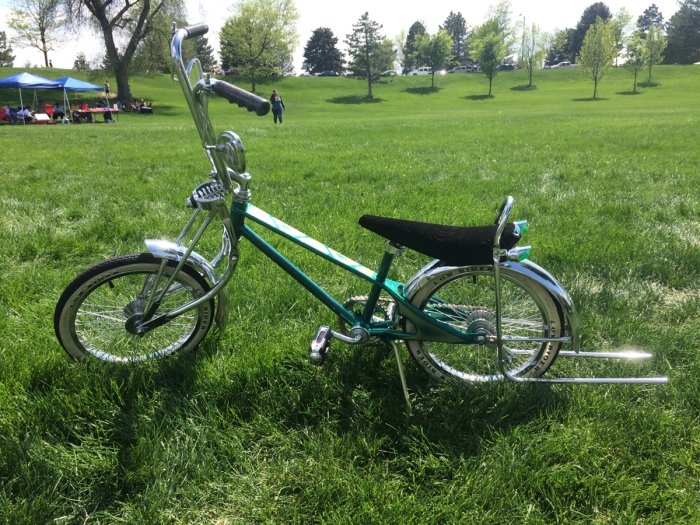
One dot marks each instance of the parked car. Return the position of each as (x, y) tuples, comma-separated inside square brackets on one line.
[(506, 67), (304, 74), (231, 73), (564, 64), (461, 69), (390, 73), (328, 74), (420, 71)]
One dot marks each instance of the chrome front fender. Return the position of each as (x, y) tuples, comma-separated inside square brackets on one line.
[(526, 268), (173, 252)]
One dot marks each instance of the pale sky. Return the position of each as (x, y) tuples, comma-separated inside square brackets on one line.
[(339, 17)]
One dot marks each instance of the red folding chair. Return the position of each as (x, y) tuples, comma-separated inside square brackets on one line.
[(48, 108), (84, 107)]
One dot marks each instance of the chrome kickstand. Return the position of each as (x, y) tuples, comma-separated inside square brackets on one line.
[(399, 362)]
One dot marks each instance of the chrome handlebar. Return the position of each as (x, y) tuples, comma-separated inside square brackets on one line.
[(197, 97)]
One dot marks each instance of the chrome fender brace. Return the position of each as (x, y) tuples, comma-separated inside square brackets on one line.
[(173, 252), (530, 270)]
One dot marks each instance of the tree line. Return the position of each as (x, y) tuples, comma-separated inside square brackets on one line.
[(259, 39)]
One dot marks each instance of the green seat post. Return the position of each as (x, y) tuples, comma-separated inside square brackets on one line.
[(392, 250)]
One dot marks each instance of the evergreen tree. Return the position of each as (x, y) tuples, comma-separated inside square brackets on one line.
[(650, 17), (588, 18), (409, 62), (370, 53), (321, 53), (684, 34), (456, 27), (204, 52), (7, 59)]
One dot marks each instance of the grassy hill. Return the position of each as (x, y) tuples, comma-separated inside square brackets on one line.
[(244, 429)]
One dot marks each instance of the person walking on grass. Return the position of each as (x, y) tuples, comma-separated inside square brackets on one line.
[(277, 106)]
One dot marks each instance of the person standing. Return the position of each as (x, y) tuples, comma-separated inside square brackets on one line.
[(277, 106)]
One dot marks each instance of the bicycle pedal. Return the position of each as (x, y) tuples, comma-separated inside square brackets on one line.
[(320, 345)]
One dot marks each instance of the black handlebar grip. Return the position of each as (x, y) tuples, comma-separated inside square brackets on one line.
[(196, 30), (243, 98)]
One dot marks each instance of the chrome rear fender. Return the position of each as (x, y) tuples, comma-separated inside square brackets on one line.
[(171, 251), (525, 268)]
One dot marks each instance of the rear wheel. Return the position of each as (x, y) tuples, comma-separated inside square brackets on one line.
[(96, 313), (465, 300)]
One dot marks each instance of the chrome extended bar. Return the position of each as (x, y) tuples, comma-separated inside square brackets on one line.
[(194, 101)]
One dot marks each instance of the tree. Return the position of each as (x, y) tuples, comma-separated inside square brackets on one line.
[(399, 42), (654, 46), (370, 53), (321, 53), (409, 49), (534, 49), (456, 27), (7, 59), (588, 18), (635, 58), (433, 51), (204, 52), (559, 46), (259, 39), (153, 52), (123, 24), (34, 23), (81, 63), (650, 17), (684, 34), (620, 25), (597, 52), (488, 48)]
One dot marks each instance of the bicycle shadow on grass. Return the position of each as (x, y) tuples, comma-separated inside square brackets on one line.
[(422, 90), (625, 93), (355, 100), (590, 99), (357, 392), (452, 415)]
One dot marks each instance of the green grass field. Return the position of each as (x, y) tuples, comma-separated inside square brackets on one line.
[(244, 430)]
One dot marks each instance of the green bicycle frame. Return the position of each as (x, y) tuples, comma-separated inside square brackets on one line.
[(427, 328)]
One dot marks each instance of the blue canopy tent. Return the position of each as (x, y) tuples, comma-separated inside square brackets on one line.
[(27, 80), (73, 84)]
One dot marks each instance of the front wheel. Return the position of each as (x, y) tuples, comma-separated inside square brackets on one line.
[(465, 300), (94, 313)]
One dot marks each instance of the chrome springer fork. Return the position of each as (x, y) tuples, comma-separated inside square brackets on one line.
[(210, 197)]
